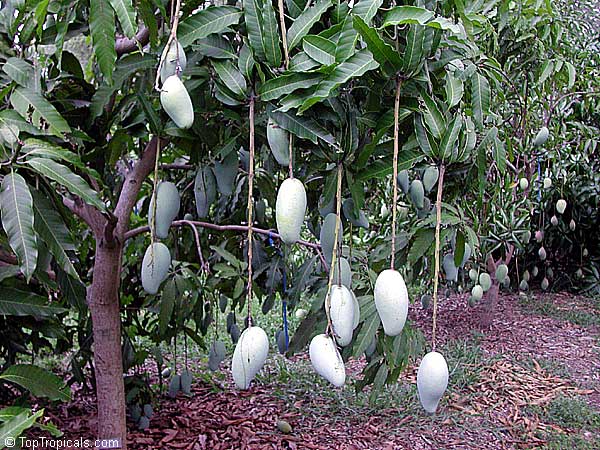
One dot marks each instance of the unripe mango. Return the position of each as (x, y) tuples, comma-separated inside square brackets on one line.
[(477, 292), (169, 64), (403, 181), (572, 225), (301, 313), (561, 205), (249, 356), (523, 183), (327, 236), (554, 220), (541, 136), (326, 359), (432, 380), (545, 284), (430, 177), (417, 193), (547, 183), (341, 312), (542, 253), (167, 207), (155, 267), (450, 269), (485, 281), (345, 275), (391, 301), (176, 102), (279, 141), (501, 272), (356, 320), (290, 210), (473, 275)]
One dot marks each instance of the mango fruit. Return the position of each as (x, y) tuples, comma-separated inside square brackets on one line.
[(391, 301), (290, 209), (169, 63), (155, 267), (176, 102), (167, 207), (432, 380), (249, 356), (326, 359)]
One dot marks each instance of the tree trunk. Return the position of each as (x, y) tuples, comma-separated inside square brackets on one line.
[(103, 301)]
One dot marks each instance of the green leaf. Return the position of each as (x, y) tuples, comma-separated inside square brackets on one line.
[(231, 77), (413, 52), (33, 147), (304, 22), (43, 107), (16, 205), (17, 425), (246, 61), (38, 381), (214, 19), (19, 71), (480, 97), (432, 115), (254, 25), (295, 7), (126, 67), (366, 334), (422, 243), (301, 62), (427, 145), (366, 9), (346, 41), (9, 272), (382, 168), (53, 232), (271, 35), (383, 53), (454, 90), (360, 63), (402, 15), (215, 46), (63, 175), (302, 127), (126, 15), (102, 29), (286, 84), (320, 49), (20, 303), (450, 137)]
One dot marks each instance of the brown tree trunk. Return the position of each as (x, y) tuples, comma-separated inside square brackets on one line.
[(103, 301)]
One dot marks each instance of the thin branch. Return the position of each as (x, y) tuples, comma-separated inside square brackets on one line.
[(395, 169), (213, 226), (132, 185), (334, 256), (90, 215), (203, 264), (250, 207), (562, 97), (175, 166), (125, 45), (436, 276)]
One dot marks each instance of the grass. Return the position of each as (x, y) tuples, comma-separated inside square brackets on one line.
[(464, 358), (579, 317), (550, 366), (570, 413)]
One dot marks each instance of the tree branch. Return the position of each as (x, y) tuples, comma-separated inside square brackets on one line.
[(132, 185), (90, 215), (126, 45), (213, 226)]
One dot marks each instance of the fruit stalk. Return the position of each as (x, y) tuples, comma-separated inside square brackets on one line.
[(286, 57), (172, 37), (329, 330), (250, 207), (436, 275), (395, 175)]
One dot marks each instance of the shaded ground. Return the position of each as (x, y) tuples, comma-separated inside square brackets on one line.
[(532, 380)]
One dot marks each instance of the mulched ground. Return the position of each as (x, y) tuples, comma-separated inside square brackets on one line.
[(488, 415)]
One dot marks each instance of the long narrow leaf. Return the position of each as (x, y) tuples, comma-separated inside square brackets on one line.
[(102, 29), (16, 205), (63, 175), (305, 21)]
